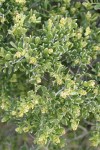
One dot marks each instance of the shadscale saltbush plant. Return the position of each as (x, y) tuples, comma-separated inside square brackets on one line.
[(49, 68)]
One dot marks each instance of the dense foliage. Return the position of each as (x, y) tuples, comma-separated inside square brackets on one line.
[(49, 69)]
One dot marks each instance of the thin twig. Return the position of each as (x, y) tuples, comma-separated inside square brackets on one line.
[(78, 137), (60, 91), (18, 60), (89, 123), (31, 135)]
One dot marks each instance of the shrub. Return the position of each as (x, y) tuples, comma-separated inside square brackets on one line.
[(49, 69)]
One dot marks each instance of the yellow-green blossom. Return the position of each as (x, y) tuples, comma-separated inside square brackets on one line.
[(82, 92), (74, 124), (33, 60), (33, 18), (88, 31), (88, 15), (18, 54), (20, 1), (50, 24), (19, 18), (62, 22)]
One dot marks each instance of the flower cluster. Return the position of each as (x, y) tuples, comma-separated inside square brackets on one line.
[(49, 69)]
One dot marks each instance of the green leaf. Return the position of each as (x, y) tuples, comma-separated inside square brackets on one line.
[(13, 44), (97, 7)]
